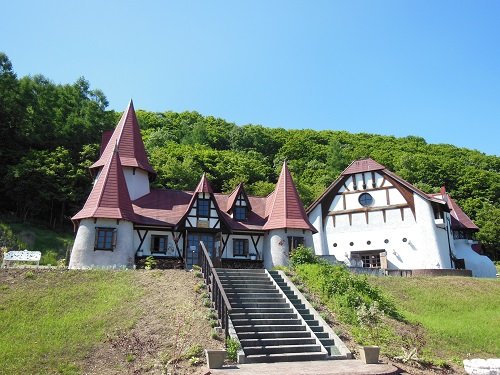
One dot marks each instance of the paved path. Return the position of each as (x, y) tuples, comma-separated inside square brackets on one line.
[(349, 366)]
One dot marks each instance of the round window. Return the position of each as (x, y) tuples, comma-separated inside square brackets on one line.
[(365, 200)]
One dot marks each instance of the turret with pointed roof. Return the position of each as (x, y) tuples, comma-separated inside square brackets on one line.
[(127, 137), (284, 207), (109, 197)]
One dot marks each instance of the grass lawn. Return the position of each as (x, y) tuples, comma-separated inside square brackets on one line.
[(461, 316), (57, 321), (49, 320)]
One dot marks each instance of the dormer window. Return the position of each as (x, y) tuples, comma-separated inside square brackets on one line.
[(203, 207), (240, 213)]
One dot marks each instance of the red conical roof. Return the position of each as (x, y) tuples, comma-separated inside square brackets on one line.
[(109, 197), (284, 208), (127, 137), (204, 185)]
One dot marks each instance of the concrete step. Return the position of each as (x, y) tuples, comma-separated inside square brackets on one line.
[(249, 289), (327, 342), (286, 357), (249, 350), (277, 341), (312, 323), (259, 304), (274, 335), (316, 329), (263, 315), (263, 310), (245, 284), (265, 294), (241, 272), (269, 328), (240, 300), (234, 270), (243, 277), (322, 335), (261, 322)]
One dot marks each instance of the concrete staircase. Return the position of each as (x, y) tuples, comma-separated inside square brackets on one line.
[(316, 326), (270, 323)]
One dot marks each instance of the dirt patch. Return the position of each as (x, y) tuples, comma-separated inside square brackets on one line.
[(172, 320)]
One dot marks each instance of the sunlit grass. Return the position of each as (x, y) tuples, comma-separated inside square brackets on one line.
[(460, 315), (49, 320)]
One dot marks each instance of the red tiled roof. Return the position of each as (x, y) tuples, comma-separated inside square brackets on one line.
[(255, 216), (459, 219), (109, 197), (130, 146), (363, 165), (162, 207), (106, 136), (284, 207), (240, 189), (204, 185)]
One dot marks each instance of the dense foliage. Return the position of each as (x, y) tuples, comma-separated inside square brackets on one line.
[(50, 134)]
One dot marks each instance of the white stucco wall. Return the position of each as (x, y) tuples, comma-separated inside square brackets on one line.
[(228, 252), (146, 245), (83, 254), (425, 246), (276, 245), (480, 265), (138, 183)]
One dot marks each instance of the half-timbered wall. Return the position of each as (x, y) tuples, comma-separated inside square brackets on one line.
[(211, 221), (142, 242), (397, 224), (255, 245)]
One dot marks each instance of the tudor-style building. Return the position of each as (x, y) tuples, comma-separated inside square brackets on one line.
[(124, 220), (370, 217)]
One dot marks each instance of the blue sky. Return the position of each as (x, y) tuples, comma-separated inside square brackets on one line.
[(429, 67)]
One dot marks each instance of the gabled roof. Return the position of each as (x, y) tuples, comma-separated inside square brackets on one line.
[(127, 137), (202, 187), (109, 197), (362, 165), (231, 200), (459, 219), (284, 207)]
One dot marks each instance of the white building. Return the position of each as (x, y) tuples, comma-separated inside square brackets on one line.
[(371, 218)]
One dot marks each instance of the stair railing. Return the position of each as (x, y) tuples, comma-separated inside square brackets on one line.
[(218, 296)]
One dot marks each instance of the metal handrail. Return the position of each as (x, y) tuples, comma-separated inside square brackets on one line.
[(218, 295)]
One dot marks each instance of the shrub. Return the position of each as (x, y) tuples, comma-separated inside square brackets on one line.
[(194, 351), (303, 255), (345, 292), (150, 263), (232, 347), (49, 258)]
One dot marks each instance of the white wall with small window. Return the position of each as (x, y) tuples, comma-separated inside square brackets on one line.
[(242, 247), (157, 243), (103, 243)]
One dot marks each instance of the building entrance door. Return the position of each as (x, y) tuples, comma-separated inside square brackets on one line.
[(194, 249)]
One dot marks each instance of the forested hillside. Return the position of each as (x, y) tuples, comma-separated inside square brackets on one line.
[(50, 134)]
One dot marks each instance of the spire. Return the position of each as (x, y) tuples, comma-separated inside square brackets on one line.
[(109, 197), (204, 185), (128, 138), (285, 208)]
